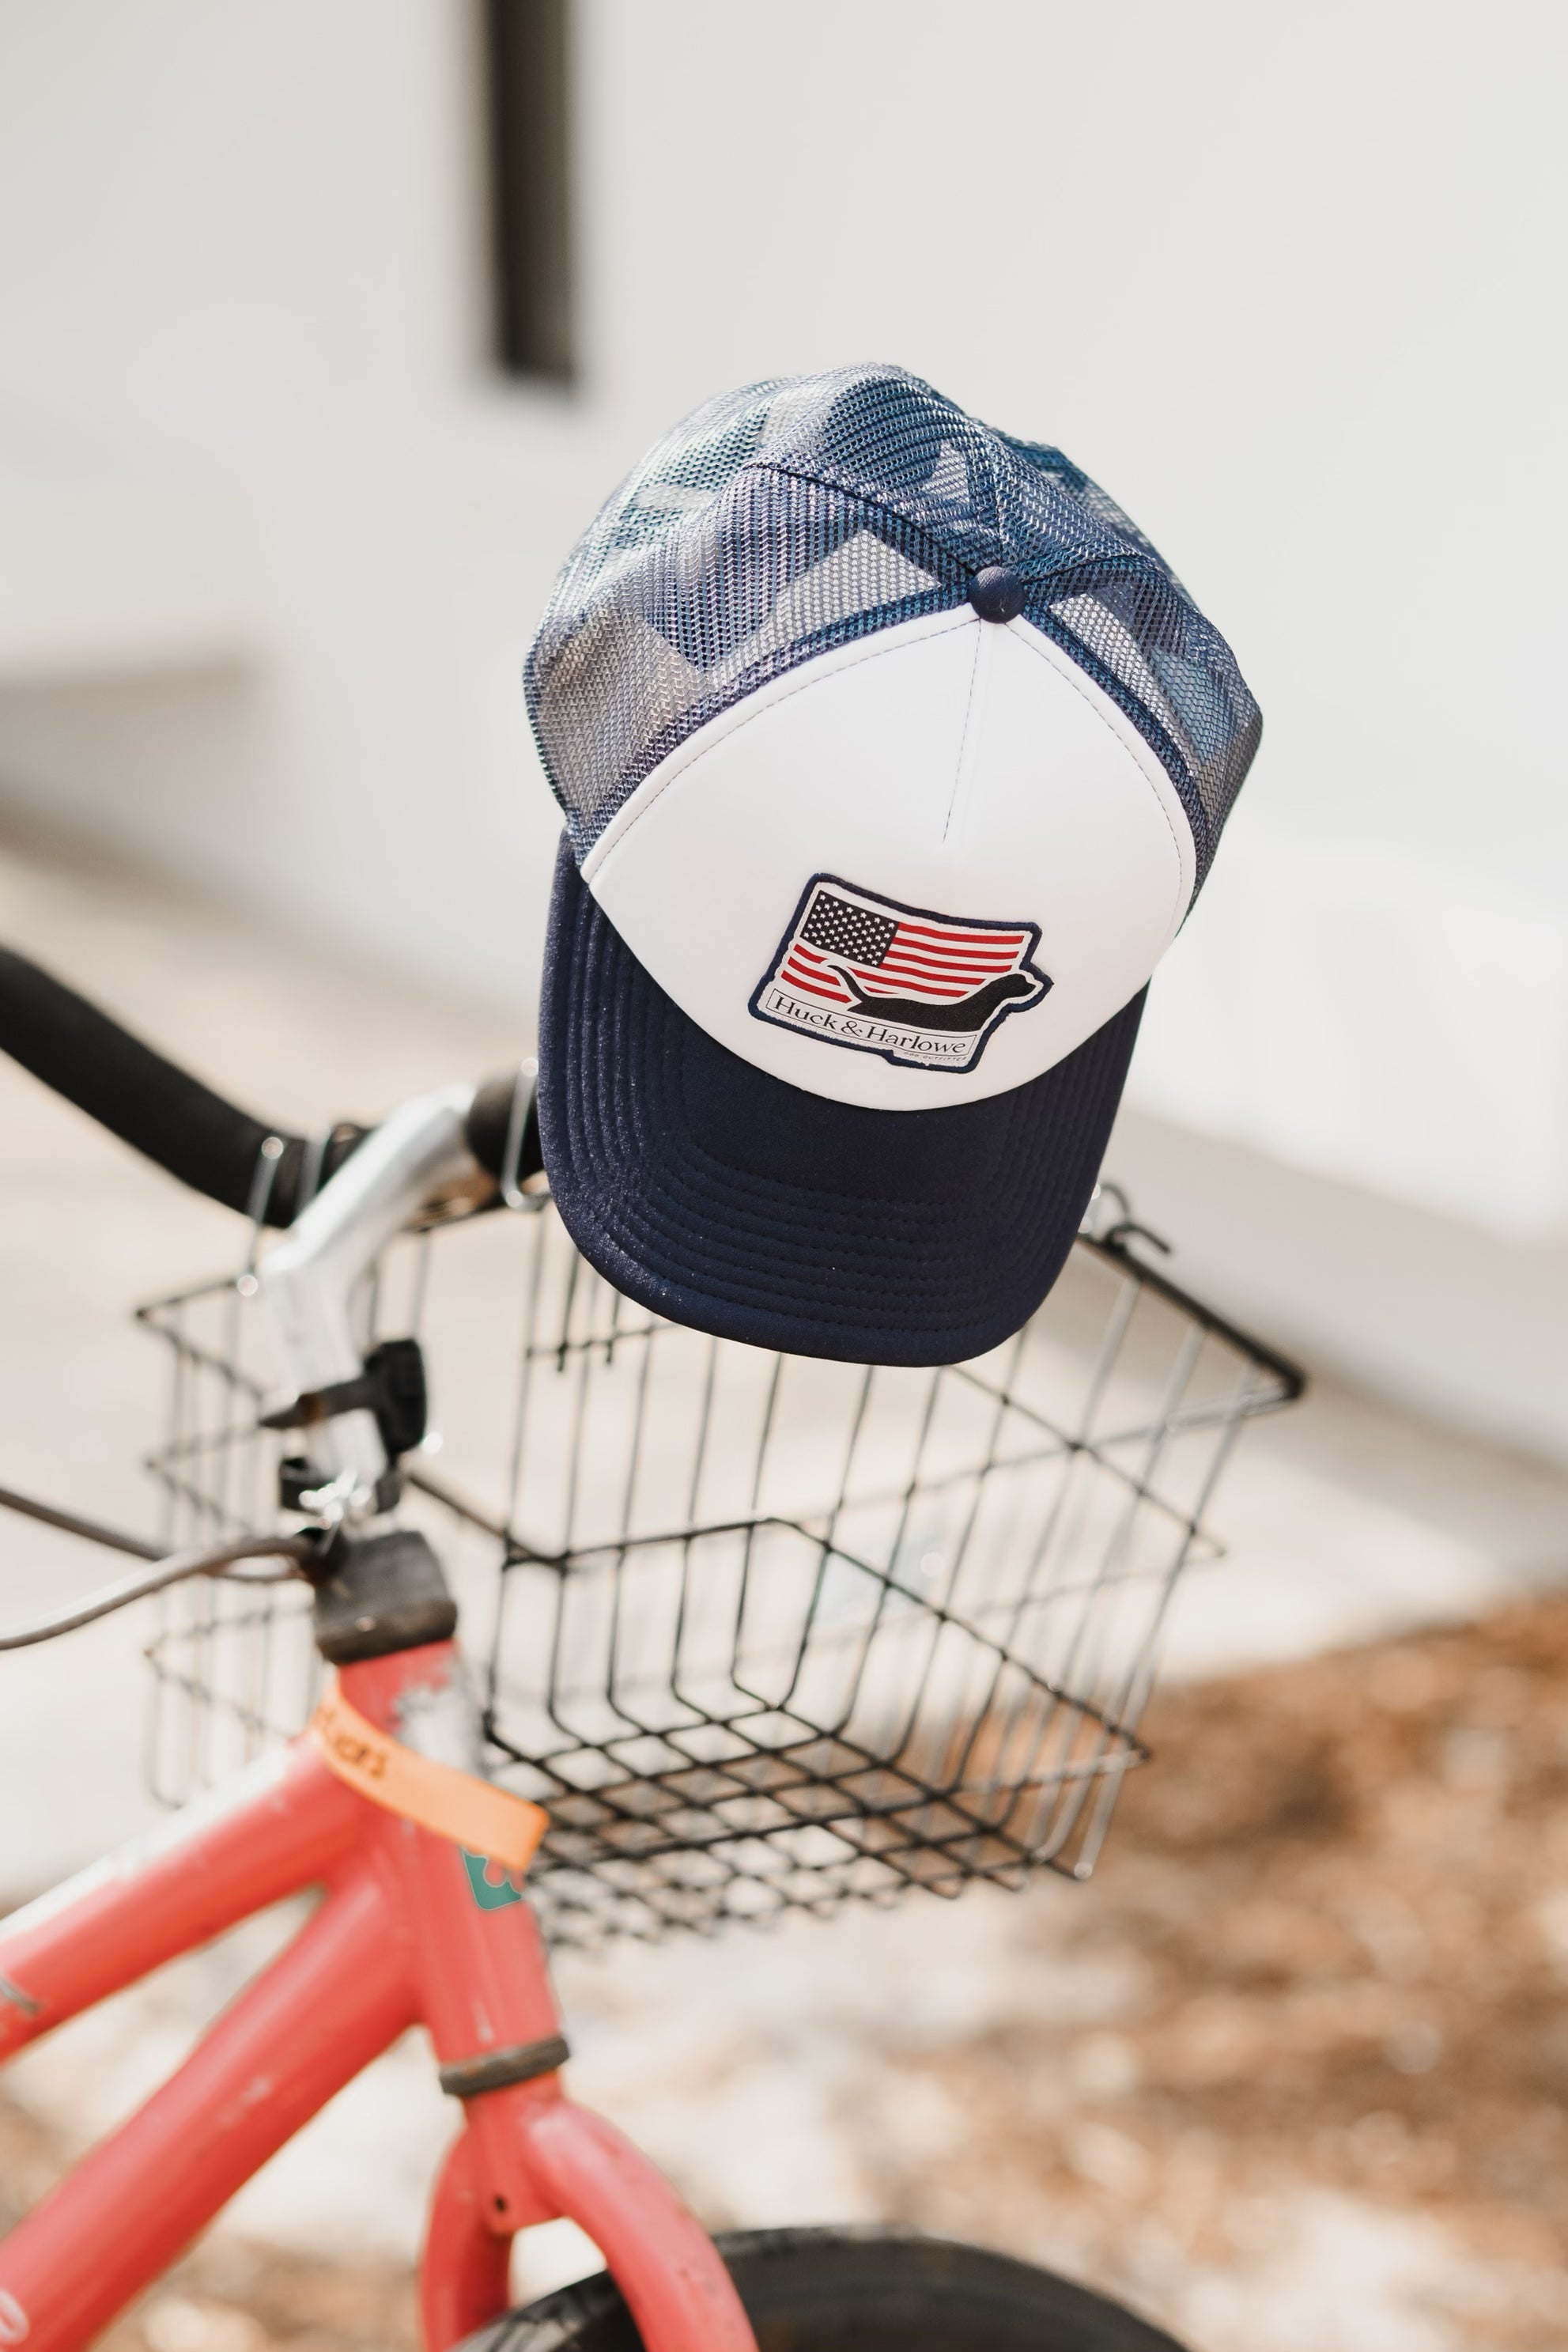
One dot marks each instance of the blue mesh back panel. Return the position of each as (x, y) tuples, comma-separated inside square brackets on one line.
[(793, 515)]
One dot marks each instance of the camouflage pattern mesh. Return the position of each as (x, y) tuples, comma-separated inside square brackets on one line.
[(791, 516)]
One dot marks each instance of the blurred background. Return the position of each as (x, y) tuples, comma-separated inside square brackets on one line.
[(324, 329)]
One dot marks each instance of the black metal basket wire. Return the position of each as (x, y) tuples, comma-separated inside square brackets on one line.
[(767, 1632)]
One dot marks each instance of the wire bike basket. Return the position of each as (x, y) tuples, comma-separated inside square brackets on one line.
[(760, 1631)]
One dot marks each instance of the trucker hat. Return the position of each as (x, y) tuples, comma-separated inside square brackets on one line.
[(891, 756)]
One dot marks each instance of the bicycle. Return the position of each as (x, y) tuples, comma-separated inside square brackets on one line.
[(730, 1675)]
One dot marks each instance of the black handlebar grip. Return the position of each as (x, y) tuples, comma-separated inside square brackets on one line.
[(158, 1108)]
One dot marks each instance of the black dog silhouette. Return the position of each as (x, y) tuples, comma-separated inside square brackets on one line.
[(967, 1014)]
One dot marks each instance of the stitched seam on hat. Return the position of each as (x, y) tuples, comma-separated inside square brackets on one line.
[(763, 1207), (764, 1203), (960, 774), (787, 1251), (786, 1247)]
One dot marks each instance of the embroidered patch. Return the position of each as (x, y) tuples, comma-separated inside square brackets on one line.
[(918, 988)]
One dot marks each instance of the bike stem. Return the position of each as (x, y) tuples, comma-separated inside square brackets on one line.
[(529, 2154)]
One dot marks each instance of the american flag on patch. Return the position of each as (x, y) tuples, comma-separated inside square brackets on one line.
[(849, 952)]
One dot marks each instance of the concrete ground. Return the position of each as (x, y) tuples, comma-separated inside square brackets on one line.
[(1346, 1520)]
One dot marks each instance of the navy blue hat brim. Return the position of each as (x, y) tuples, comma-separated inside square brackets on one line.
[(721, 1197)]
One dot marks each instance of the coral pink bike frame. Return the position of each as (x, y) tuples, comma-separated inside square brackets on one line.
[(399, 1940)]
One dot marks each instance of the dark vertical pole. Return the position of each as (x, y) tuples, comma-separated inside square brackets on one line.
[(528, 61)]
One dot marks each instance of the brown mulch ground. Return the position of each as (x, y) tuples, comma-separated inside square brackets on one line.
[(1344, 1891), (1373, 1974), (1345, 1894)]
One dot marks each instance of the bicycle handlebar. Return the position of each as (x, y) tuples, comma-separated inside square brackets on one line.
[(171, 1117)]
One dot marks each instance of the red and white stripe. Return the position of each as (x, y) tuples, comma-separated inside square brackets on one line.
[(922, 960)]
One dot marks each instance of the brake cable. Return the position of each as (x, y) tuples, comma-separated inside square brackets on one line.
[(166, 1568)]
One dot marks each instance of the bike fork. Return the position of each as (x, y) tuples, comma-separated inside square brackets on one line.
[(528, 2153)]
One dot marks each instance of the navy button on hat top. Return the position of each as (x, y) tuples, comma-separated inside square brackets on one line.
[(997, 593)]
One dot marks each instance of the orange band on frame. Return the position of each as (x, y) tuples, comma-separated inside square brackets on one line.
[(456, 1805)]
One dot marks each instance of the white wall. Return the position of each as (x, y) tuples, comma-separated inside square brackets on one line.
[(1284, 280)]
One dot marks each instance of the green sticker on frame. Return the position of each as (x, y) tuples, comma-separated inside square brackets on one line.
[(488, 1897)]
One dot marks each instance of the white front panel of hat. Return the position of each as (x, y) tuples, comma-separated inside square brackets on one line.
[(862, 879)]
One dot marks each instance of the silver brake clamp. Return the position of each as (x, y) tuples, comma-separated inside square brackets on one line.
[(309, 1278)]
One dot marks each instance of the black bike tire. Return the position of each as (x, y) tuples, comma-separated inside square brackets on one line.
[(855, 2290)]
